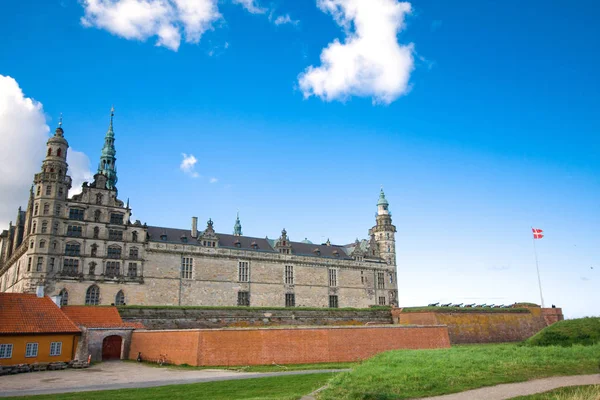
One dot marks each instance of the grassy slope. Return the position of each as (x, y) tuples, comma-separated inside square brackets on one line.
[(584, 331), (280, 388), (591, 392), (261, 368), (405, 374)]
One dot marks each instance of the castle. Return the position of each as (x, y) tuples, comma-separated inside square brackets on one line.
[(86, 250)]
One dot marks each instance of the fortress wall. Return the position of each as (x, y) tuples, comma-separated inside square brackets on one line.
[(232, 347), (484, 327), (190, 318)]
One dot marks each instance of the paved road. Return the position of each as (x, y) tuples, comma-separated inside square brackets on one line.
[(510, 390), (119, 375)]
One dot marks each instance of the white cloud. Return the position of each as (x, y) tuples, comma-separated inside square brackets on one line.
[(285, 19), (251, 6), (370, 62), (188, 165), (213, 180), (23, 136), (141, 19), (79, 170)]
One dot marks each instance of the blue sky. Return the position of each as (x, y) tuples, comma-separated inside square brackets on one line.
[(497, 130)]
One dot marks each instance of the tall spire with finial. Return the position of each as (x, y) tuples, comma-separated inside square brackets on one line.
[(237, 228), (107, 166)]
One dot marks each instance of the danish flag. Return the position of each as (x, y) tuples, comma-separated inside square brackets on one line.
[(537, 233)]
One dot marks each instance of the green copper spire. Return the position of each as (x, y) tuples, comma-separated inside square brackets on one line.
[(237, 228), (107, 166), (382, 200)]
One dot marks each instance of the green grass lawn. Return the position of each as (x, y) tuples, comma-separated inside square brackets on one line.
[(591, 392), (403, 374), (280, 388), (584, 331), (262, 368)]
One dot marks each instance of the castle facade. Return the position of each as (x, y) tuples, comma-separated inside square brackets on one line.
[(86, 250)]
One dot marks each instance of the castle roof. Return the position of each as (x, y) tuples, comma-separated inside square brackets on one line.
[(246, 243), (97, 317)]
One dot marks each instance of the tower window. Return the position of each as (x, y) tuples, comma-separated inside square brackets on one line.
[(48, 190), (72, 249), (133, 253), (51, 266), (73, 230), (289, 274), (115, 235), (243, 271), (60, 192), (114, 252), (332, 277), (39, 190), (49, 152), (70, 267), (76, 213), (58, 152), (36, 208), (42, 244), (380, 280), (46, 208), (116, 218), (58, 210), (34, 227), (40, 263)]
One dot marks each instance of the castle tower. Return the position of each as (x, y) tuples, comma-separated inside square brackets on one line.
[(49, 208), (384, 231), (107, 165), (237, 228)]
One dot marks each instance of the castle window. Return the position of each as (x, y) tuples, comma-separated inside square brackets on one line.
[(116, 218), (289, 274), (389, 249), (99, 198), (49, 152), (97, 215), (94, 250), (76, 213), (55, 348), (6, 350), (39, 190), (133, 253), (362, 277), (64, 297), (112, 269), (60, 192), (96, 232), (34, 227), (58, 152), (134, 237), (40, 263), (72, 249), (44, 227), (380, 280), (48, 190), (46, 208), (187, 267), (92, 296), (74, 230), (391, 278), (55, 229), (31, 350), (92, 268), (333, 301), (31, 244), (382, 300), (387, 235), (120, 298), (70, 267), (290, 300), (243, 299), (332, 277), (35, 209), (132, 271), (54, 245), (114, 252), (243, 271), (115, 235), (58, 210), (42, 244), (51, 266)]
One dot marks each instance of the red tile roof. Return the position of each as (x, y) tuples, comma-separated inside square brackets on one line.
[(26, 313), (97, 317)]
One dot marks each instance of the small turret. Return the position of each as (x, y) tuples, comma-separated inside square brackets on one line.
[(237, 228)]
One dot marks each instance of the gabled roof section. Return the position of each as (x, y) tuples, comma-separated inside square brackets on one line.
[(23, 313), (97, 317)]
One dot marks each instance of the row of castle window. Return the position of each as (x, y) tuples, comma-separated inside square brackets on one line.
[(92, 297), (74, 249), (77, 231), (71, 267), (49, 190), (78, 214), (290, 300), (187, 268)]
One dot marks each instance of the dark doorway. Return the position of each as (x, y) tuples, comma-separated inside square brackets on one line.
[(111, 348)]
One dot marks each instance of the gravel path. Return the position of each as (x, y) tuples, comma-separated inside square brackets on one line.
[(510, 390), (120, 375)]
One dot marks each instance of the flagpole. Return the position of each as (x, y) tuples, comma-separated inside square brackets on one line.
[(537, 267)]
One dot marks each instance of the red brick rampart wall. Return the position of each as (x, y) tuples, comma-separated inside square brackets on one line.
[(223, 347), (484, 327)]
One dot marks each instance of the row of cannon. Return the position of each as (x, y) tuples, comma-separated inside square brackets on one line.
[(474, 305)]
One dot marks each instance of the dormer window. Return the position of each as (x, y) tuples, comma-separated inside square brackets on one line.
[(163, 237), (336, 253), (237, 244), (254, 246), (184, 239), (317, 252)]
